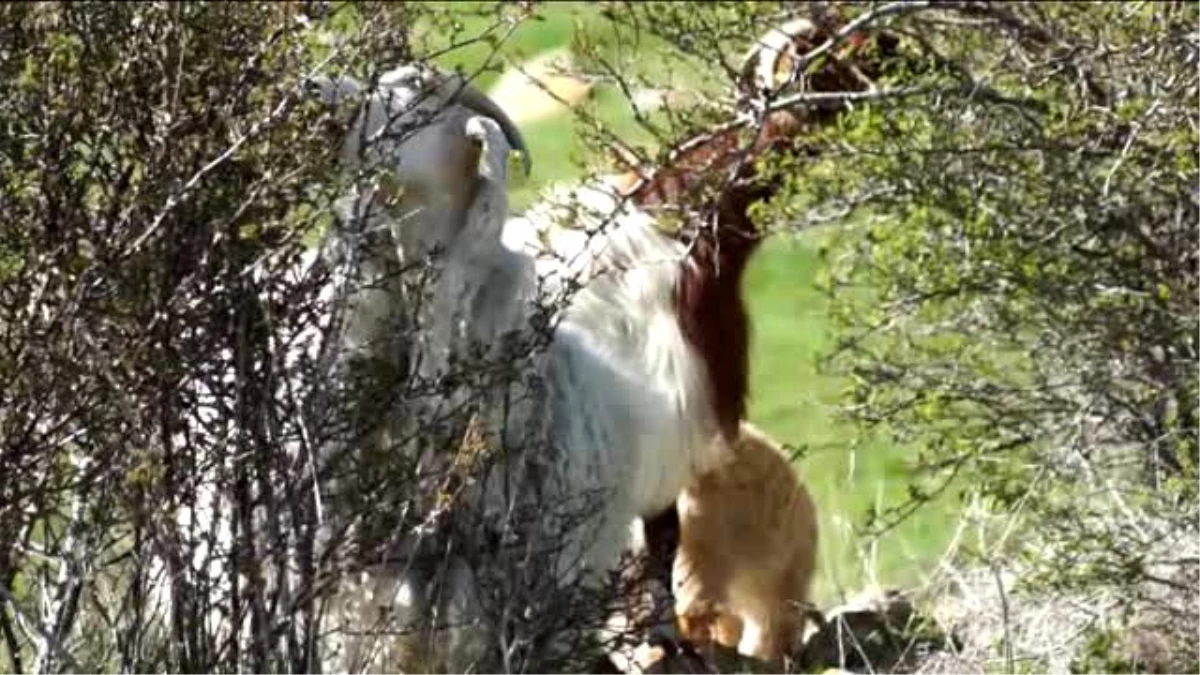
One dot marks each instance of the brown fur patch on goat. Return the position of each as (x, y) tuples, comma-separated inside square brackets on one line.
[(708, 293)]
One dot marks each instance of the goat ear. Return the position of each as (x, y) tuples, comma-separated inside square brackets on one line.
[(485, 134), (480, 103)]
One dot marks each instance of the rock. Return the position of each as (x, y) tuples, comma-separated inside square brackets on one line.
[(684, 658), (678, 662), (876, 631), (1148, 651)]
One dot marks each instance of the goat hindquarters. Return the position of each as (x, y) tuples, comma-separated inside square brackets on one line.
[(748, 539)]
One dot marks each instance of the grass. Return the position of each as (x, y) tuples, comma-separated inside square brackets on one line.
[(791, 400), (796, 403)]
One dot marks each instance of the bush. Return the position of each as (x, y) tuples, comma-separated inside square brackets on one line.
[(180, 488), (1020, 297)]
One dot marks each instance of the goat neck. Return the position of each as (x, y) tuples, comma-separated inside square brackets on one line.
[(707, 293), (708, 297)]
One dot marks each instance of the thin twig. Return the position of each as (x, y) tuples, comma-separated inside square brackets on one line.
[(1008, 642), (183, 193)]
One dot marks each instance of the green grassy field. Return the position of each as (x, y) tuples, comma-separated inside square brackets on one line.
[(796, 403), (791, 399)]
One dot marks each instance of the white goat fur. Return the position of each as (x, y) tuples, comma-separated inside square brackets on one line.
[(623, 319), (627, 406), (627, 409)]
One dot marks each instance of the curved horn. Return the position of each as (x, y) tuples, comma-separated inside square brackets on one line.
[(480, 103), (761, 60)]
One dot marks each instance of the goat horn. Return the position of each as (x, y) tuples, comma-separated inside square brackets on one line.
[(760, 62), (480, 103)]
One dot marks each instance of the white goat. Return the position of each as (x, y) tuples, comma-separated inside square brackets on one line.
[(627, 411), (628, 407), (426, 128)]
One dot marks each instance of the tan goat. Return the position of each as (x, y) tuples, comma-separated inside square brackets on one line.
[(747, 550)]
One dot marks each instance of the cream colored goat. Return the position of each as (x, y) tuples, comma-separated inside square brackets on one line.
[(748, 543)]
